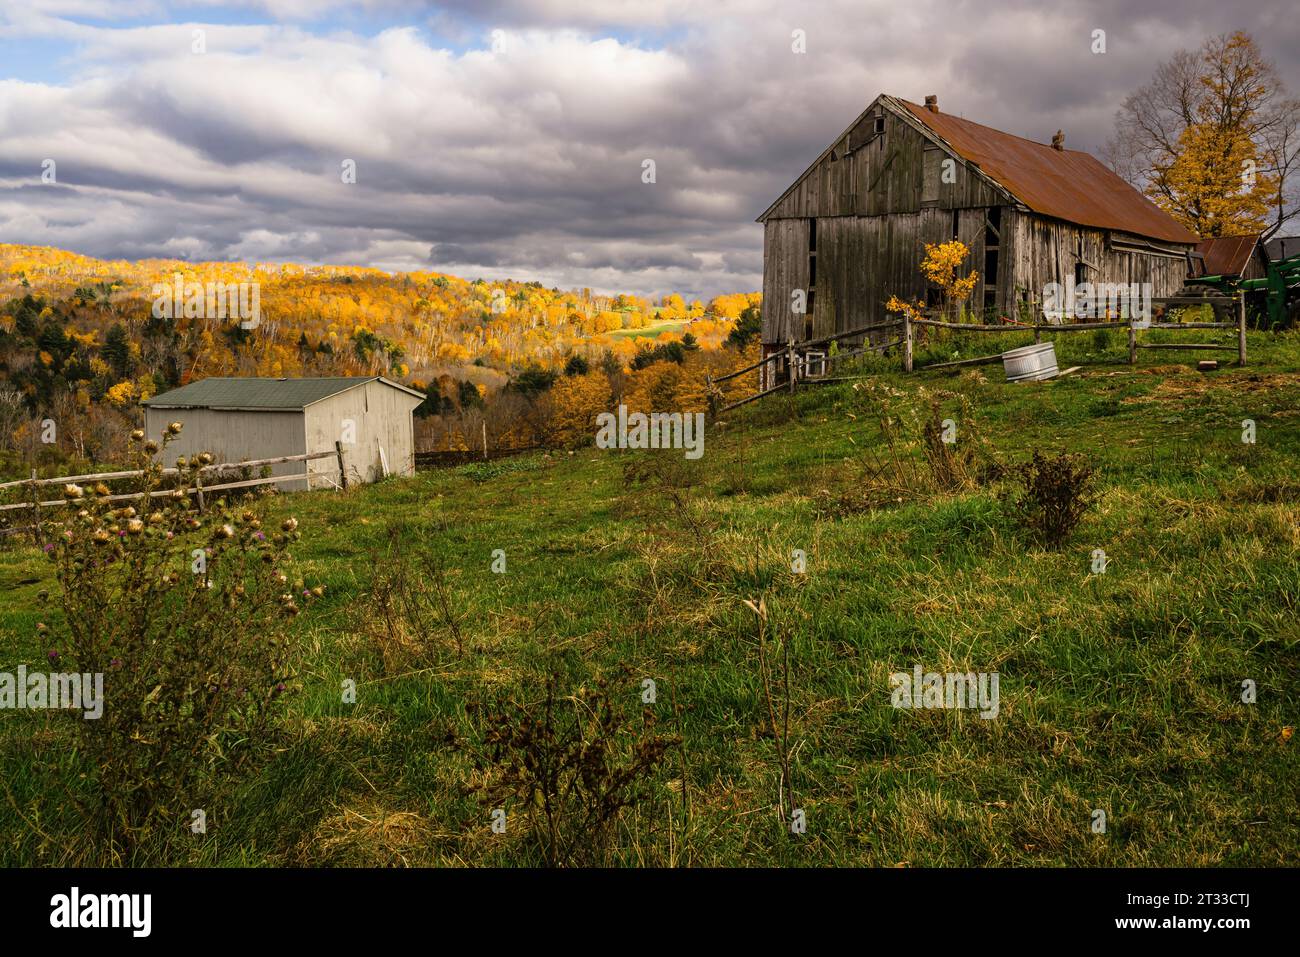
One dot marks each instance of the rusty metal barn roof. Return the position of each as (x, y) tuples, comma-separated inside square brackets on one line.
[(1065, 184), (1227, 255)]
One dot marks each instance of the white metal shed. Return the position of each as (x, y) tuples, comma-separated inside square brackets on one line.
[(249, 419)]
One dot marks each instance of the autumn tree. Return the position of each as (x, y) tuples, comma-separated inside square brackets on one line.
[(575, 401), (1212, 139), (941, 268)]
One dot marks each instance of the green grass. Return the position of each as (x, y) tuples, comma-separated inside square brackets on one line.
[(1119, 692), (652, 331)]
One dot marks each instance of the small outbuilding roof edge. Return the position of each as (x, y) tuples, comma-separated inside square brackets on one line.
[(263, 394)]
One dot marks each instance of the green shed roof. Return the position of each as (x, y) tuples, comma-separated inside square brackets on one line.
[(270, 394)]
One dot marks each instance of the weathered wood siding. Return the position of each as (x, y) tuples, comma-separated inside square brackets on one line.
[(1257, 266), (870, 175), (861, 262), (785, 269), (878, 199), (1047, 251)]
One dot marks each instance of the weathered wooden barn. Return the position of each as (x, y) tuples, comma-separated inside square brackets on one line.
[(850, 232), (250, 419)]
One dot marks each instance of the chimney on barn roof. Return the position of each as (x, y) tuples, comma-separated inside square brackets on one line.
[(932, 103), (1058, 141)]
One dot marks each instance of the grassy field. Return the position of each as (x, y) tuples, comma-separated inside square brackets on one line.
[(1119, 692), (652, 331)]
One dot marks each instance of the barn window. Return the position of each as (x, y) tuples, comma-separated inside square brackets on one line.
[(880, 126)]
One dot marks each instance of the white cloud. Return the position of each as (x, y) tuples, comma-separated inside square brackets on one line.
[(525, 162)]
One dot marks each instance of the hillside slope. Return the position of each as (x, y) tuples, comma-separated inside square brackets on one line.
[(1119, 692)]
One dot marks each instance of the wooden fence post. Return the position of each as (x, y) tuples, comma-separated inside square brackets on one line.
[(37, 532), (1241, 329), (789, 363), (343, 472), (1132, 341), (198, 489), (907, 343)]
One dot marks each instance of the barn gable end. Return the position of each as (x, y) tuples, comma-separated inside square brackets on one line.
[(850, 232)]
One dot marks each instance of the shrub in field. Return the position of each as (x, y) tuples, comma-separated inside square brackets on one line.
[(953, 465), (412, 616), (185, 617), (572, 762), (1051, 496), (954, 456)]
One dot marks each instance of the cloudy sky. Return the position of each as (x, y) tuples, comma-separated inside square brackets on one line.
[(506, 138)]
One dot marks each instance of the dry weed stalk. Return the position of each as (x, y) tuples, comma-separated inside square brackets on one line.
[(780, 735)]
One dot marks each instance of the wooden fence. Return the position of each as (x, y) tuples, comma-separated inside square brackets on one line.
[(198, 489), (444, 458), (797, 363), (792, 359)]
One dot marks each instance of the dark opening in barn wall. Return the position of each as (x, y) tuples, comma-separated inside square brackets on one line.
[(992, 245)]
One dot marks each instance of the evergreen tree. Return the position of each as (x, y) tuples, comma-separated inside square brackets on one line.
[(116, 351)]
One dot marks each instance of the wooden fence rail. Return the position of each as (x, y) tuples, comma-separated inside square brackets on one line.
[(732, 375), (138, 473), (1131, 325), (198, 488)]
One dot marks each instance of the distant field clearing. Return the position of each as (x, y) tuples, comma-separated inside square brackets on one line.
[(650, 332)]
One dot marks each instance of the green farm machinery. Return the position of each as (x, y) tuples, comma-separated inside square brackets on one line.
[(1272, 301)]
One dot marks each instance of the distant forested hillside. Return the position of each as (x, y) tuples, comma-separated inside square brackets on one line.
[(83, 341)]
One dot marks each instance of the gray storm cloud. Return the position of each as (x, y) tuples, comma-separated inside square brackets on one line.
[(519, 151)]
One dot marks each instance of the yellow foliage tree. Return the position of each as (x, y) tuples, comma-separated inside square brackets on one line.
[(121, 394), (1210, 139), (1212, 187), (656, 388), (939, 267), (575, 403)]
